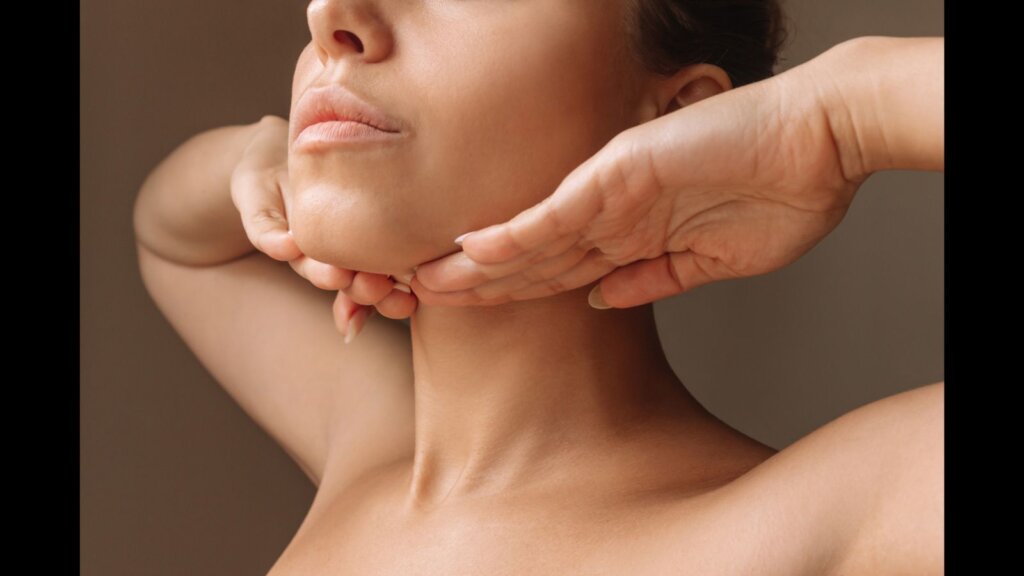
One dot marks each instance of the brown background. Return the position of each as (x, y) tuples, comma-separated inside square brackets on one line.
[(176, 479)]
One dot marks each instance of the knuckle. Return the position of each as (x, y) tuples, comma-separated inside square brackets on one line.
[(537, 257), (487, 292), (555, 285), (469, 297), (267, 215), (533, 275)]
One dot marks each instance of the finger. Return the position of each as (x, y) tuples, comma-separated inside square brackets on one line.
[(259, 203), (568, 211), (460, 272), (397, 305), (548, 273), (321, 275), (343, 309), (458, 298), (592, 267), (358, 321), (368, 288), (652, 280), (577, 270), (277, 246)]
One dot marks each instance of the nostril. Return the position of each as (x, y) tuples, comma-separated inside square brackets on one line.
[(344, 35)]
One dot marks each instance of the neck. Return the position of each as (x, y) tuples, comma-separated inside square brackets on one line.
[(520, 395)]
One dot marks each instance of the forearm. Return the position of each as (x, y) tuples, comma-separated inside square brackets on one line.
[(884, 100), (184, 211)]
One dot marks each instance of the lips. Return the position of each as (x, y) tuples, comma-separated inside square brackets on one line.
[(335, 103)]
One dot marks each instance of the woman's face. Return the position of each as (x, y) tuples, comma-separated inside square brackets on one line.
[(502, 99)]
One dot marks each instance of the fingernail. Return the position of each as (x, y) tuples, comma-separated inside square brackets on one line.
[(403, 288), (355, 325), (405, 278), (461, 238), (596, 300)]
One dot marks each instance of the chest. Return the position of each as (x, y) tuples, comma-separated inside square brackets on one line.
[(706, 538)]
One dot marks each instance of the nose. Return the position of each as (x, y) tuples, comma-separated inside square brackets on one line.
[(347, 29)]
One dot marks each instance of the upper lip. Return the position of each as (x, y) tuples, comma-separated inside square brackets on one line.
[(333, 102)]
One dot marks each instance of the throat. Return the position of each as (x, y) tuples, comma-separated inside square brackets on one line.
[(530, 394)]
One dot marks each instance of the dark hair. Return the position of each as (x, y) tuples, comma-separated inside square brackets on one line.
[(743, 37)]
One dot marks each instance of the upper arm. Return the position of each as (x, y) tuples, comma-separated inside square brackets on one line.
[(902, 527), (268, 337)]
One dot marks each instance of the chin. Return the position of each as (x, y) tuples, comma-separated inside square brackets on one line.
[(361, 241)]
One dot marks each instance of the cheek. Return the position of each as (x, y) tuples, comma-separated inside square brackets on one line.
[(508, 125), (306, 69), (311, 212)]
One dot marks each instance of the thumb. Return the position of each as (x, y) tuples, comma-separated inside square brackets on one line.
[(648, 281), (260, 204)]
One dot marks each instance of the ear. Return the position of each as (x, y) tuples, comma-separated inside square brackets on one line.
[(691, 84)]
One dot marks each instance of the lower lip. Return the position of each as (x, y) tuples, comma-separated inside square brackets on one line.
[(342, 133)]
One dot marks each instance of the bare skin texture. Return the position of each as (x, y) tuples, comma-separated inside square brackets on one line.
[(538, 436)]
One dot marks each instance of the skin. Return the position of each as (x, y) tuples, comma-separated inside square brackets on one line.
[(532, 437), (733, 186), (520, 409)]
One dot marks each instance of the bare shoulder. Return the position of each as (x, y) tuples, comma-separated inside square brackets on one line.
[(862, 494), (899, 441)]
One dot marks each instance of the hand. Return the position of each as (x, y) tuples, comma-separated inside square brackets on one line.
[(259, 187), (738, 184)]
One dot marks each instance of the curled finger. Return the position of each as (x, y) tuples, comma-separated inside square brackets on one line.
[(369, 288), (321, 275), (397, 304)]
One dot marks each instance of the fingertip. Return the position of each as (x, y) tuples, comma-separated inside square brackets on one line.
[(491, 245), (341, 321), (278, 246), (358, 322), (476, 235), (596, 299), (484, 233), (291, 249), (288, 239), (394, 305), (338, 311)]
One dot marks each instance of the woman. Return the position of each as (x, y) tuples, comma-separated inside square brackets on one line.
[(535, 436)]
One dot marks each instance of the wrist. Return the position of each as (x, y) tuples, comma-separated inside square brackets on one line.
[(883, 100)]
